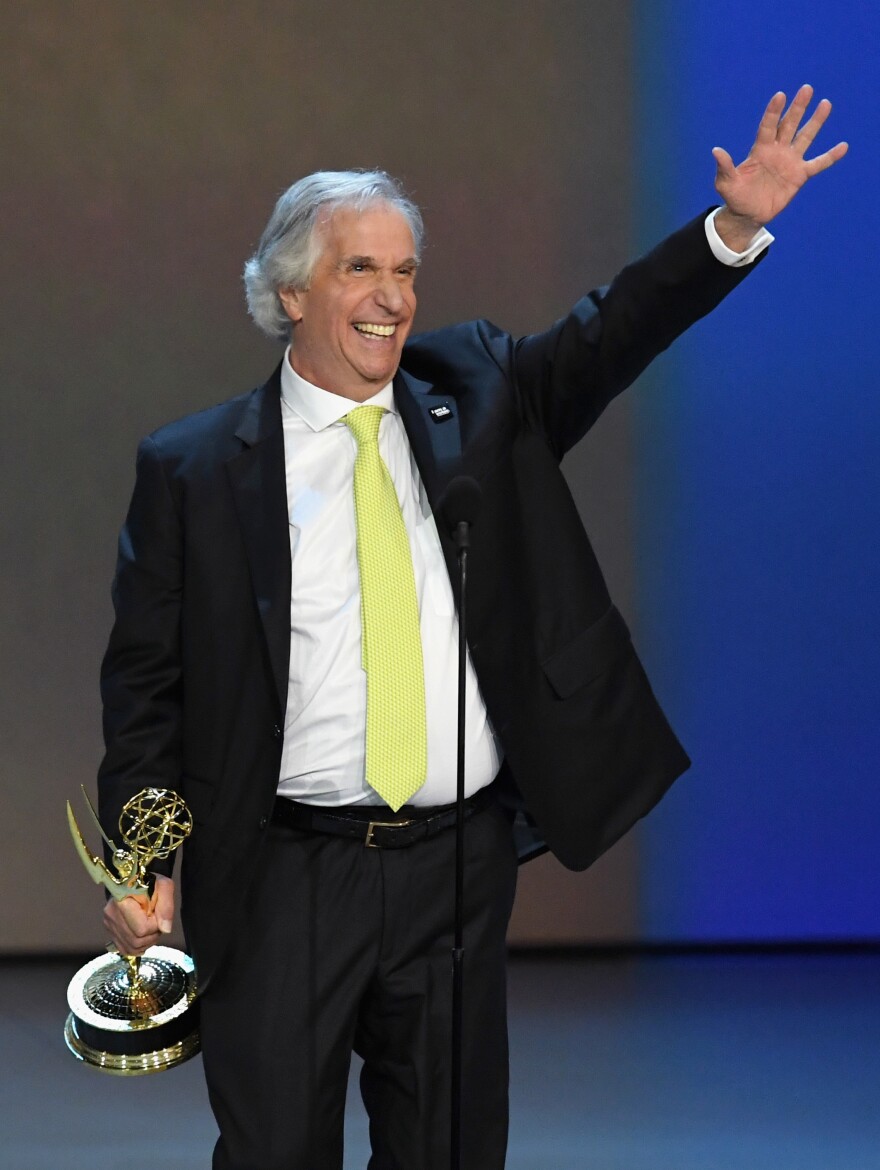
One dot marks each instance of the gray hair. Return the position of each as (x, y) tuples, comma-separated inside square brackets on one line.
[(290, 246)]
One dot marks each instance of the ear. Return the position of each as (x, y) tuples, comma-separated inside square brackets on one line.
[(290, 300)]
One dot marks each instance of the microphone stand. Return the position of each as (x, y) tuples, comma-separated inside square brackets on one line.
[(462, 540), (459, 506)]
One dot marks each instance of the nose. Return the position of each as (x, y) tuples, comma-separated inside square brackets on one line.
[(388, 293)]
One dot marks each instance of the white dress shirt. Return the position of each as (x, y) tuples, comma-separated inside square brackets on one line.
[(322, 760), (726, 255)]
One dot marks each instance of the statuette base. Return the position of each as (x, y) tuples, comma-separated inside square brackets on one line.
[(131, 1026)]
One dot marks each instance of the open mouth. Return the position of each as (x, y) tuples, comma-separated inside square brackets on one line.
[(367, 329)]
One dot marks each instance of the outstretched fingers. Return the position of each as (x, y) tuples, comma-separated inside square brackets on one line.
[(809, 130), (726, 166), (789, 123), (776, 168), (823, 161), (769, 124)]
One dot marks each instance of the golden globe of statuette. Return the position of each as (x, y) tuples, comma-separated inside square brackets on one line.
[(131, 1015)]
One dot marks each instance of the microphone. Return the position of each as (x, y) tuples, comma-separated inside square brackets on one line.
[(460, 507)]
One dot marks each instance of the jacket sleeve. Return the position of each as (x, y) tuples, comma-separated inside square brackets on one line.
[(141, 672), (568, 375)]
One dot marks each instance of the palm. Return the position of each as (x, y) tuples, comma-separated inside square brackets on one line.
[(775, 170)]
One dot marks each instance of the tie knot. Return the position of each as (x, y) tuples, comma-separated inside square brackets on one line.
[(364, 422)]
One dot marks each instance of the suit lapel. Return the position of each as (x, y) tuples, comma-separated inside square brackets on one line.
[(257, 476), (433, 427)]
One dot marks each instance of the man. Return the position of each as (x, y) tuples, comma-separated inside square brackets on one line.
[(248, 670)]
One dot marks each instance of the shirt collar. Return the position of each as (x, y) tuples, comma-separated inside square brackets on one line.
[(320, 408)]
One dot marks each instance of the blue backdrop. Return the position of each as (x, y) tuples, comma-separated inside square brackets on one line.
[(759, 476)]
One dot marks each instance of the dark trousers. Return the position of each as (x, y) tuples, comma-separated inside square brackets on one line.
[(348, 948)]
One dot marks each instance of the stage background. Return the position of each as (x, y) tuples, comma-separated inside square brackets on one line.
[(758, 471), (731, 497)]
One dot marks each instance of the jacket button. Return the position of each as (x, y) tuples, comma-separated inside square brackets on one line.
[(277, 732), (263, 822)]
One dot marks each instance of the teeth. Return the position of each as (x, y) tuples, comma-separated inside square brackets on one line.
[(376, 330)]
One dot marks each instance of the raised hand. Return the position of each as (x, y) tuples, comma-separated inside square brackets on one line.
[(775, 170)]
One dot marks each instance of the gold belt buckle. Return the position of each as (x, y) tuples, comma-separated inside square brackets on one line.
[(373, 825)]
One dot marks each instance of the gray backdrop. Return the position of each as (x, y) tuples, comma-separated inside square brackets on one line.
[(143, 147)]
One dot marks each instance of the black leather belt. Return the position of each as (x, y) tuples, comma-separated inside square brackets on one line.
[(377, 827)]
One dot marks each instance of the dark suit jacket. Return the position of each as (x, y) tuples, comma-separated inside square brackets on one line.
[(195, 677)]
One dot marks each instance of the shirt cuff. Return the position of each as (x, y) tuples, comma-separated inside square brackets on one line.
[(720, 250)]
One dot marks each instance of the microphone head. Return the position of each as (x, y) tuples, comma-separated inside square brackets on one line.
[(460, 503)]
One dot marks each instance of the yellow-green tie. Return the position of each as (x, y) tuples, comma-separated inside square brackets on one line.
[(396, 747)]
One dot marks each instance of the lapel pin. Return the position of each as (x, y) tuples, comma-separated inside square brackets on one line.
[(440, 413)]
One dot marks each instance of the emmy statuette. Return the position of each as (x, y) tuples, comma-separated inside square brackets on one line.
[(131, 1015)]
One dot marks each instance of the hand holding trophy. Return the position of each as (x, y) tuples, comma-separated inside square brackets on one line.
[(131, 1015)]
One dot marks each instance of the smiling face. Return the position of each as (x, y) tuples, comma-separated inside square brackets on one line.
[(350, 324)]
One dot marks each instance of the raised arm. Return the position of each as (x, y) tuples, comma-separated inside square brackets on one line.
[(570, 373)]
